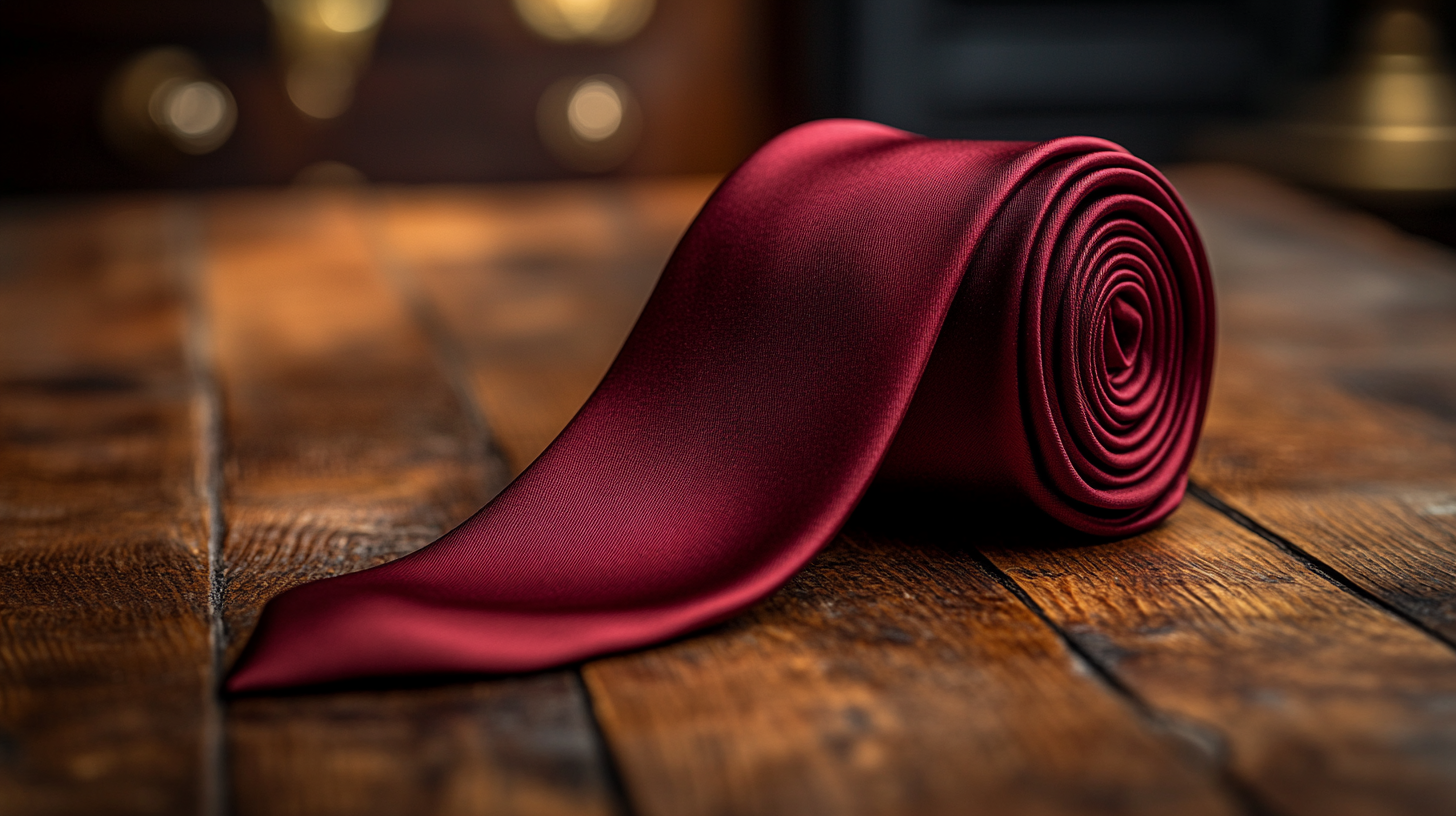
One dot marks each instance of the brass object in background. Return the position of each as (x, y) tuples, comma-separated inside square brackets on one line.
[(162, 104), (589, 124), (324, 46), (1385, 129), (601, 21)]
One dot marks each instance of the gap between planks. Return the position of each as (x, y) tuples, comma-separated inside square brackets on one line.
[(1313, 563), (1205, 738), (189, 259), (449, 353), (454, 361)]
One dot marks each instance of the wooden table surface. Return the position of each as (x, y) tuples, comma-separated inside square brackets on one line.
[(206, 400)]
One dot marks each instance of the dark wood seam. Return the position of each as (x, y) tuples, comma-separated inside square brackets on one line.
[(449, 352), (1207, 739), (616, 782), (1312, 562), (190, 268), (453, 360)]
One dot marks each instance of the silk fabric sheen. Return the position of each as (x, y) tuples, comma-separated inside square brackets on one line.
[(1029, 322)]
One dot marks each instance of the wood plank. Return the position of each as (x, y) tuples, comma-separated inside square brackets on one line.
[(1325, 703), (888, 678), (1333, 328), (516, 746), (348, 446), (105, 659), (1333, 423)]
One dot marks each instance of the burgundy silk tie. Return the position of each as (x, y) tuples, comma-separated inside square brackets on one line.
[(1029, 323)]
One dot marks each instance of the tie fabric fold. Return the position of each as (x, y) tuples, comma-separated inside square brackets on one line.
[(1027, 323)]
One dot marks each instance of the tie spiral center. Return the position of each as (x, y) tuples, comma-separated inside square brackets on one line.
[(1123, 334)]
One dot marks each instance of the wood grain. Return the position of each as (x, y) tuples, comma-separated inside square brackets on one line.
[(347, 446), (923, 663), (1336, 342), (890, 677), (1332, 422), (517, 746), (105, 660), (1325, 704)]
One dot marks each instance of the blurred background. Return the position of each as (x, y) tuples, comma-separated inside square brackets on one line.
[(1353, 97)]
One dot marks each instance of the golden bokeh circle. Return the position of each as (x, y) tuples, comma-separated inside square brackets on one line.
[(600, 21), (591, 124), (162, 103)]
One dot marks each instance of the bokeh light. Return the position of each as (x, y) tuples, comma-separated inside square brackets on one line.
[(333, 16), (590, 124), (163, 102), (198, 114), (324, 47), (320, 86), (594, 110), (350, 16), (603, 21)]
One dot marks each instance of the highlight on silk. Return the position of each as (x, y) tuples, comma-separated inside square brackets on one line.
[(731, 407)]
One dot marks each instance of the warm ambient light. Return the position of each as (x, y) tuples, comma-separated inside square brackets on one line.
[(195, 112), (162, 103), (604, 21), (324, 46), (594, 111), (329, 173), (350, 16), (321, 87), (589, 124)]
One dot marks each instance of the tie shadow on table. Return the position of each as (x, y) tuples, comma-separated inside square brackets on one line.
[(960, 522)]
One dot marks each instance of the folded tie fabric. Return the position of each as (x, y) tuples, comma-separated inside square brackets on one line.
[(1025, 323)]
